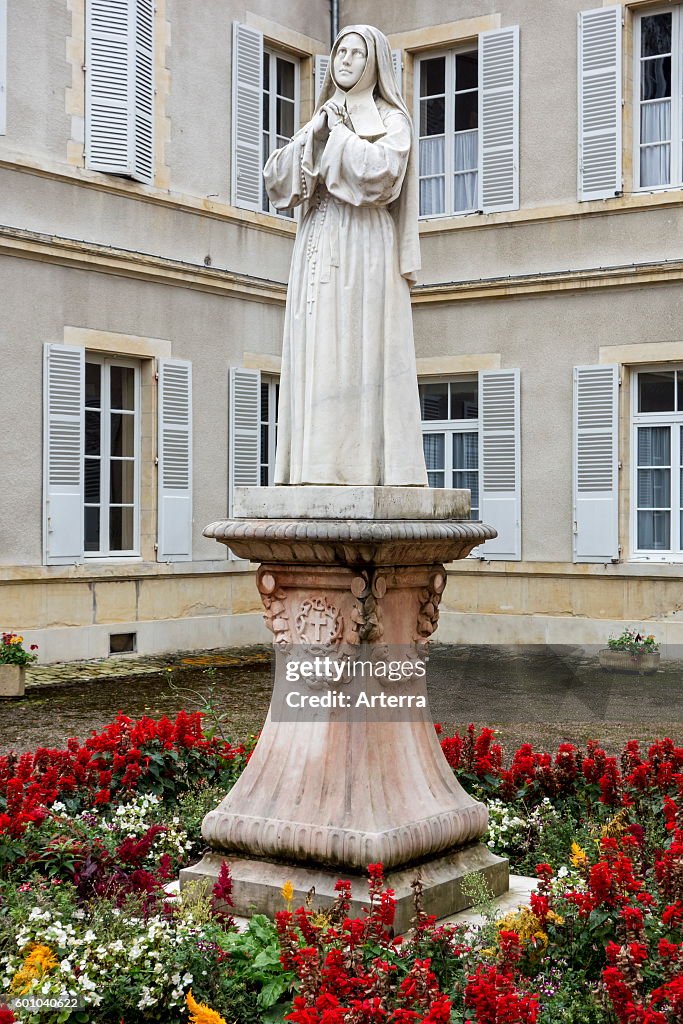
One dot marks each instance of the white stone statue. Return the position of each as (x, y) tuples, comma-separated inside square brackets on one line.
[(349, 409)]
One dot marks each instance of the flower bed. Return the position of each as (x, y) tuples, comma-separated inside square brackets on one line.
[(89, 836)]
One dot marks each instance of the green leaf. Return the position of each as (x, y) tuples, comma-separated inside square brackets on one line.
[(271, 992)]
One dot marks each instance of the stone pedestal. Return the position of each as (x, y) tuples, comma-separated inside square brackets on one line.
[(330, 790)]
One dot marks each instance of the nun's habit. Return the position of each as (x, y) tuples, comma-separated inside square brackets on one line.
[(349, 410)]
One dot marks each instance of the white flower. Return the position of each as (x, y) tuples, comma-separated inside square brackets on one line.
[(187, 979)]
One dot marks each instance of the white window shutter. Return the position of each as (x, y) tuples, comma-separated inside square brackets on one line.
[(600, 98), (500, 462), (499, 120), (63, 442), (321, 63), (3, 67), (247, 116), (119, 87), (143, 92), (596, 463), (397, 61), (174, 505)]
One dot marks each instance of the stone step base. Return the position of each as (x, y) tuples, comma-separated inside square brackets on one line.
[(257, 884)]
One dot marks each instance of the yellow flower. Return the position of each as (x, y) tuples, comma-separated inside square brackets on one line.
[(39, 961), (578, 857), (200, 1014), (14, 639), (554, 918), (287, 892)]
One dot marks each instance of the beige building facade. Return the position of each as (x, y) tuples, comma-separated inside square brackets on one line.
[(143, 280)]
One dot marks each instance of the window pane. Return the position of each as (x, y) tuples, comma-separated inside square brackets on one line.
[(466, 111), (654, 446), (434, 448), (654, 488), (467, 70), (93, 376), (434, 403), (470, 481), (122, 387), (432, 116), (435, 479), (285, 78), (122, 481), (464, 401), (465, 451), (432, 196), (122, 434), (91, 529), (285, 118), (656, 392), (433, 76), (655, 78), (466, 194), (265, 391), (266, 70), (654, 531), (432, 154), (264, 442), (120, 529), (266, 112), (466, 151), (92, 433), (655, 34), (655, 121), (92, 481), (655, 166)]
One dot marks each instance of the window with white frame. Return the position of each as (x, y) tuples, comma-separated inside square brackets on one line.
[(111, 456), (447, 115), (450, 434), (657, 461), (270, 394), (280, 109), (658, 90)]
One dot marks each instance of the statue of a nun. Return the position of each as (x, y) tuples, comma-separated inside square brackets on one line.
[(349, 410)]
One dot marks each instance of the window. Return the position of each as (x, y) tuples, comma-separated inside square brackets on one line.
[(264, 114), (657, 456), (450, 435), (270, 395), (659, 92), (448, 120), (111, 461), (280, 109)]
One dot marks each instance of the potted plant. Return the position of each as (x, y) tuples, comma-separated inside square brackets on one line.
[(13, 661), (633, 651)]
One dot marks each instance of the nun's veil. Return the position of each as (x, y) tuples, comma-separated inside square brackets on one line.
[(405, 209)]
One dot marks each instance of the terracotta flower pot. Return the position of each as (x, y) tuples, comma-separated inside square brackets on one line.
[(644, 663), (12, 680)]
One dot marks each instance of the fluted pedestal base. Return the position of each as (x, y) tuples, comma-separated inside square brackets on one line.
[(332, 787)]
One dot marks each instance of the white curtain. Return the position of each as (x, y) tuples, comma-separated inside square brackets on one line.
[(465, 466), (654, 488), (434, 451), (655, 127), (432, 180), (466, 158)]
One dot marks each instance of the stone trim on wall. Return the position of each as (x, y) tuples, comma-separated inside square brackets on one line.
[(143, 266), (443, 366)]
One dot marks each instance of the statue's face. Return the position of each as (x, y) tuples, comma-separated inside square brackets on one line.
[(350, 60)]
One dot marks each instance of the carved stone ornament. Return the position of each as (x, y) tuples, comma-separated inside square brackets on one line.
[(318, 622), (275, 614), (430, 599)]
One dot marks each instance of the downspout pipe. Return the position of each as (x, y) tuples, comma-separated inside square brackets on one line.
[(334, 20)]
